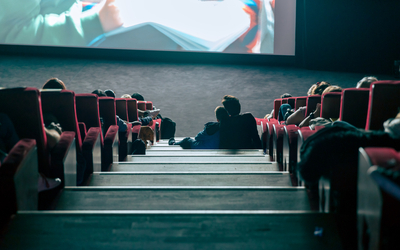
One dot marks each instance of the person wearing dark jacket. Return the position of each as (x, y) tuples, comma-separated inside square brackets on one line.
[(239, 131), (208, 138)]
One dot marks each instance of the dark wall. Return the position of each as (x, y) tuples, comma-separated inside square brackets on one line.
[(357, 36)]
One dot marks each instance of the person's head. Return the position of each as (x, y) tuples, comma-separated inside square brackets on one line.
[(231, 104), (99, 92), (333, 88), (221, 114), (286, 95), (137, 96), (109, 93), (366, 82), (54, 83), (318, 88), (126, 96)]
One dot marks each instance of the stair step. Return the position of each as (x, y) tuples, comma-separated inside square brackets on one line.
[(198, 159), (194, 166), (183, 198), (207, 230), (194, 152), (260, 178)]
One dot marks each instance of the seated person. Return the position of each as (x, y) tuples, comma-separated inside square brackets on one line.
[(239, 131), (299, 116), (271, 115), (209, 137), (54, 83), (366, 82)]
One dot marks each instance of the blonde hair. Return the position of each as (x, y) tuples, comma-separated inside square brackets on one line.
[(366, 81), (126, 96), (333, 88)]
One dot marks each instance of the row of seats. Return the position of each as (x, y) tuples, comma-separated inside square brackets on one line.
[(365, 109), (96, 144)]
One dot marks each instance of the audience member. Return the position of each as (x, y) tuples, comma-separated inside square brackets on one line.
[(109, 93), (54, 83), (366, 82), (209, 137), (318, 88), (299, 116), (239, 131), (271, 115)]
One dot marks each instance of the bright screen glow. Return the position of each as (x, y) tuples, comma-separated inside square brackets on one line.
[(230, 26)]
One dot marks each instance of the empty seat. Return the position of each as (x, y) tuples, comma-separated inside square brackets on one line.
[(384, 103), (354, 106), (87, 109)]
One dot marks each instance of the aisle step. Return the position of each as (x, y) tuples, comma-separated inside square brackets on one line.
[(191, 178), (183, 198), (198, 159), (171, 230), (194, 166), (222, 152)]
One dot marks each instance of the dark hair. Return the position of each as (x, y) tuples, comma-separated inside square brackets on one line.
[(99, 92), (320, 87), (231, 104), (137, 96), (54, 83), (286, 95), (109, 93), (221, 114)]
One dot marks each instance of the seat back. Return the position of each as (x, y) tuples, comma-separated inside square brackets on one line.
[(354, 106), (87, 110), (312, 101), (330, 105), (277, 105), (121, 108), (384, 103), (23, 106), (301, 101), (61, 104), (107, 112), (142, 105), (149, 105), (132, 105), (292, 102), (284, 100)]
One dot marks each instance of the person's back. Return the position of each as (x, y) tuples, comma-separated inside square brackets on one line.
[(239, 131)]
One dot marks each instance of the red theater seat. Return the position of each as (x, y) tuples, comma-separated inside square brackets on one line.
[(384, 103), (378, 208), (23, 106), (87, 109), (354, 106)]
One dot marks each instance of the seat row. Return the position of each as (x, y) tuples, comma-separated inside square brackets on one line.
[(87, 121)]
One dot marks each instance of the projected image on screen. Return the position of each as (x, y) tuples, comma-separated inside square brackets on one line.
[(232, 26)]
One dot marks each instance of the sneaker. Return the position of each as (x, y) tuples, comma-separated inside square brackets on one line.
[(47, 183), (153, 113), (171, 141)]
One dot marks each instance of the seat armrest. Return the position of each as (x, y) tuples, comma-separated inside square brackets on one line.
[(91, 149), (110, 149), (19, 179), (125, 142), (63, 159), (82, 130)]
